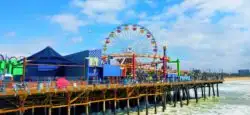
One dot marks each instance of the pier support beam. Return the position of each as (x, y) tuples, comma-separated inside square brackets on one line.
[(195, 93), (213, 90), (33, 111), (21, 100), (104, 103), (179, 92), (164, 101), (209, 90), (128, 107), (146, 102), (74, 111), (50, 102), (115, 102), (68, 102), (138, 106), (50, 111), (184, 94), (155, 104), (204, 92), (87, 109), (217, 85), (45, 111), (115, 107), (104, 107), (59, 111), (169, 94), (175, 96), (187, 95)]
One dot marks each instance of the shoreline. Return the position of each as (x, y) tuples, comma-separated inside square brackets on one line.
[(237, 78)]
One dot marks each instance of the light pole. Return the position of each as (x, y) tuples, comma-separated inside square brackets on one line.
[(164, 61)]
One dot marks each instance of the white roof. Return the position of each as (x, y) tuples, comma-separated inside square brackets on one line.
[(8, 75)]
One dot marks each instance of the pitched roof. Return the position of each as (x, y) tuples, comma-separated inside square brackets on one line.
[(48, 56)]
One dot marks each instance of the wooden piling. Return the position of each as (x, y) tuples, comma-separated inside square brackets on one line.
[(115, 107), (217, 90), (115, 101), (155, 104), (50, 111), (103, 107), (184, 96), (179, 92), (50, 102), (175, 96), (68, 102), (74, 111), (171, 96), (213, 90), (59, 111), (45, 111), (87, 109), (187, 95), (138, 106), (33, 111), (209, 90), (195, 93), (128, 107), (146, 102), (204, 92), (163, 101), (104, 104)]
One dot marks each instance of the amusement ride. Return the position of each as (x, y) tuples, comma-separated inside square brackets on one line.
[(139, 51)]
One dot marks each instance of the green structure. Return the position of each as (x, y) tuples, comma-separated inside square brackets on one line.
[(178, 66), (2, 66), (11, 66)]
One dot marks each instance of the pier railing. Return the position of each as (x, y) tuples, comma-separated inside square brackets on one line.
[(50, 82)]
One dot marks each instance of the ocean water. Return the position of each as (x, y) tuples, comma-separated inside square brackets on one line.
[(234, 100)]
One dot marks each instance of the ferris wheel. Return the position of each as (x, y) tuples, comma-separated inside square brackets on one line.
[(130, 38)]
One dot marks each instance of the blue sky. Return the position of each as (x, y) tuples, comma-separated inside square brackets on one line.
[(203, 34)]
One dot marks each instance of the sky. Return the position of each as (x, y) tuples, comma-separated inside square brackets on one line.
[(204, 34)]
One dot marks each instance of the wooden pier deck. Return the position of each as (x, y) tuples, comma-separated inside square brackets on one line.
[(85, 95)]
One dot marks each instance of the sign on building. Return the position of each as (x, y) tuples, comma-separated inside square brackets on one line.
[(93, 61)]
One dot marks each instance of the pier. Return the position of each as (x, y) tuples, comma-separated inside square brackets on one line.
[(98, 81), (79, 98)]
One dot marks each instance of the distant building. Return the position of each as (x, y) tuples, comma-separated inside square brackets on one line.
[(244, 72)]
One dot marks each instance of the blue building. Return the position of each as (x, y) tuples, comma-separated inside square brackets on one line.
[(91, 61), (94, 69), (47, 63), (244, 72)]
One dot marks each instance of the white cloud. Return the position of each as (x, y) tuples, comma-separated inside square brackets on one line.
[(102, 11), (142, 15), (131, 13), (151, 3), (10, 34), (78, 39), (208, 45), (68, 22)]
